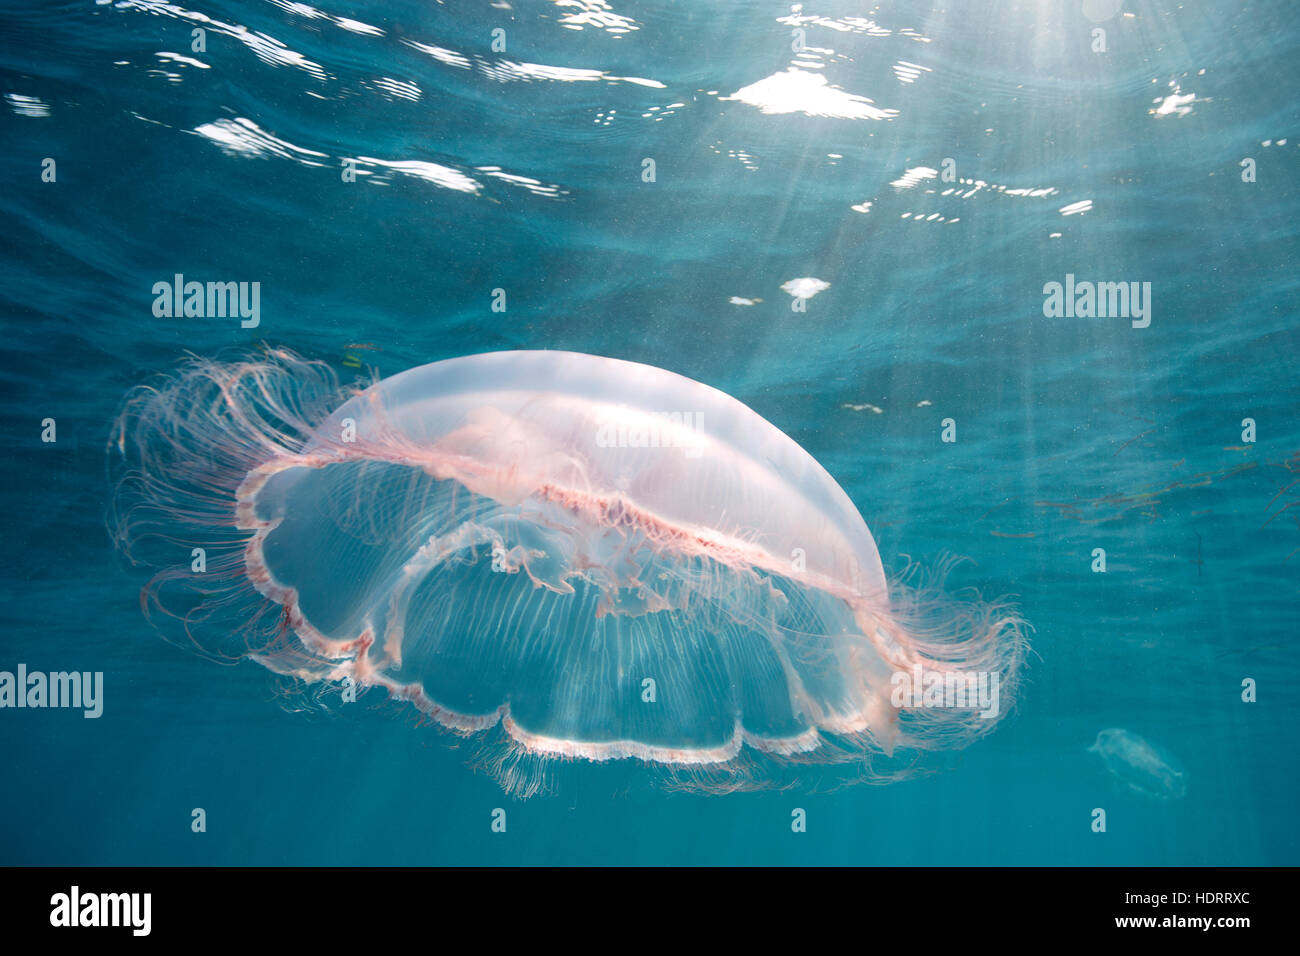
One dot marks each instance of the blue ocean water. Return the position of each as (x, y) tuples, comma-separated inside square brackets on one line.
[(382, 169)]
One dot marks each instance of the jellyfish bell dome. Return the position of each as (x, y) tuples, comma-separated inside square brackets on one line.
[(593, 430), (565, 555)]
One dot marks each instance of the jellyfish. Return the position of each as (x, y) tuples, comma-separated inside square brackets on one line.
[(1139, 765), (559, 557)]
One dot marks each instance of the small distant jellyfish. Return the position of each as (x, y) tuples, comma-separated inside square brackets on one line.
[(1140, 765), (513, 544), (805, 287)]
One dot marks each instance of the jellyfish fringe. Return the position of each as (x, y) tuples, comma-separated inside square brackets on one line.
[(179, 449)]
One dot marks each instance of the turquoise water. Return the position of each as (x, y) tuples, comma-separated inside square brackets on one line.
[(523, 169)]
